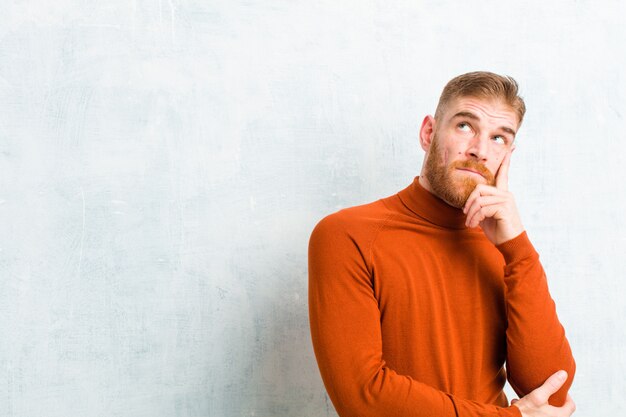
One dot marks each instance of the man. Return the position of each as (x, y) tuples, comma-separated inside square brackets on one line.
[(417, 300)]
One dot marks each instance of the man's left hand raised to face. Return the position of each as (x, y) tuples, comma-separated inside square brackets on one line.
[(493, 208)]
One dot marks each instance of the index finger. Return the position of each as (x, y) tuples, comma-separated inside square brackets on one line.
[(502, 176)]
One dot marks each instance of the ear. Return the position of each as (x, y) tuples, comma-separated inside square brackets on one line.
[(427, 132)]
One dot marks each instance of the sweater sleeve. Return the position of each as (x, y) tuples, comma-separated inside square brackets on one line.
[(536, 342), (347, 341)]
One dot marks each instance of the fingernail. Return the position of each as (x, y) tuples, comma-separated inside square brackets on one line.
[(562, 375)]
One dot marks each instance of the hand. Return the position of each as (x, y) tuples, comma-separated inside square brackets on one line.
[(493, 208), (536, 404)]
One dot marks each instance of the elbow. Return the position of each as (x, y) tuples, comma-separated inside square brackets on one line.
[(364, 397), (524, 384), (558, 398)]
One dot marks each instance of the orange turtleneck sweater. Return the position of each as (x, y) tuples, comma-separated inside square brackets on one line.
[(413, 314)]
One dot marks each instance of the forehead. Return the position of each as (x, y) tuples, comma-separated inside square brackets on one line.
[(487, 110)]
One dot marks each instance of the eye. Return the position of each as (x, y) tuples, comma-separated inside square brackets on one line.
[(464, 126), (499, 140)]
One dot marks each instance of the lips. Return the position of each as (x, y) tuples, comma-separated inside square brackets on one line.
[(472, 171)]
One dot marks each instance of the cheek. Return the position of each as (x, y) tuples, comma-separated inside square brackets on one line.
[(444, 156), (498, 161)]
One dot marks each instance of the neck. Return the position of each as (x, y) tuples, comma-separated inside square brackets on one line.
[(424, 182)]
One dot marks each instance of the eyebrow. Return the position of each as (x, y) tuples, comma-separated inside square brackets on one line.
[(470, 115)]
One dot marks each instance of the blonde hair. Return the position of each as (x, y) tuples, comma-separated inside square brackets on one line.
[(483, 85)]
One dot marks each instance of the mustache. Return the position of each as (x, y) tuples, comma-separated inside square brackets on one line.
[(476, 166)]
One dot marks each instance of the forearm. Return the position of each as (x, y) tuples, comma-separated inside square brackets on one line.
[(359, 382), (536, 342)]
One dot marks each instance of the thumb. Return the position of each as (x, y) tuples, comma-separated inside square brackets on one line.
[(552, 385)]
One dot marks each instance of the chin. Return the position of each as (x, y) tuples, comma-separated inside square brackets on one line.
[(461, 191)]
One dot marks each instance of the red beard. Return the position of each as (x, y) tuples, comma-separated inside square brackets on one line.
[(448, 185)]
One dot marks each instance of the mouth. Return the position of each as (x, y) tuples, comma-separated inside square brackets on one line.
[(471, 171)]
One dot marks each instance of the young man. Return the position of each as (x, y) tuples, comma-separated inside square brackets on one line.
[(417, 300)]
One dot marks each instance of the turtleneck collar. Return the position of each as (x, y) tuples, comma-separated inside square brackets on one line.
[(430, 207)]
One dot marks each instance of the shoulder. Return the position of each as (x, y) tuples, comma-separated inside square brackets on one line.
[(357, 224)]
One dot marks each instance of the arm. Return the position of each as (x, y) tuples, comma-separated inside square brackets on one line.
[(536, 342), (345, 329)]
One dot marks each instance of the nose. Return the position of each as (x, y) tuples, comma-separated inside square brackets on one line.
[(478, 148)]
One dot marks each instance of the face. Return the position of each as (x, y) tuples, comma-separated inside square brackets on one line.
[(466, 147)]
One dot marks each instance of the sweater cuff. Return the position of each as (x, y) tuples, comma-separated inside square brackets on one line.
[(517, 249)]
